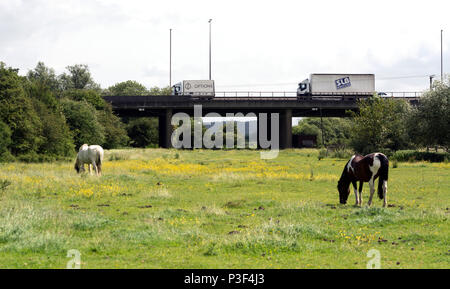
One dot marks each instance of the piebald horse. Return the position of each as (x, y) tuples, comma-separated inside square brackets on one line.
[(364, 169), (91, 155)]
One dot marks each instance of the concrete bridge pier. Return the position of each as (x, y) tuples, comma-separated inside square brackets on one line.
[(165, 128), (267, 124), (286, 129)]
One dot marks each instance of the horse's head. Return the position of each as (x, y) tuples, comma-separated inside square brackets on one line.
[(77, 166), (344, 190)]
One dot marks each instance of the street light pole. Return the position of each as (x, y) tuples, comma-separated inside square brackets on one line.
[(210, 48), (170, 58), (442, 69)]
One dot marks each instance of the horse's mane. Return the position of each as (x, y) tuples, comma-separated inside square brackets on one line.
[(344, 176)]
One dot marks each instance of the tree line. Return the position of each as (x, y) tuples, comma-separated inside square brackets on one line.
[(387, 124), (44, 116)]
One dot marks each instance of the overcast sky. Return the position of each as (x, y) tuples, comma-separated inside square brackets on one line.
[(256, 45)]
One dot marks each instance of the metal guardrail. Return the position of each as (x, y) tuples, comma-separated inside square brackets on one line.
[(256, 94), (402, 94)]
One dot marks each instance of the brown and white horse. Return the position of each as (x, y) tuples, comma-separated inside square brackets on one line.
[(364, 169)]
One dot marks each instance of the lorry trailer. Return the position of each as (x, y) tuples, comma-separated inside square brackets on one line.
[(195, 88), (325, 84)]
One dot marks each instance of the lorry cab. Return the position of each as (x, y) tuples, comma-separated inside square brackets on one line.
[(303, 88), (177, 89)]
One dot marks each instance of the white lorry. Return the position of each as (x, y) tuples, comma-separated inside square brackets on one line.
[(344, 85), (195, 88)]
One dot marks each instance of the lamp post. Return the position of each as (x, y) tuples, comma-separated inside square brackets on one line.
[(170, 57), (209, 48), (442, 69)]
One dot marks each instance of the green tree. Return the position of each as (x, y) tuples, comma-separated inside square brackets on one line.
[(115, 132), (143, 132), (82, 120), (79, 77), (37, 89), (58, 140), (380, 125), (429, 124), (160, 91), (5, 141), (17, 111), (129, 87), (45, 76), (305, 128), (91, 96)]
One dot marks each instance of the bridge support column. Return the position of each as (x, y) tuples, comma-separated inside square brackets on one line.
[(286, 129), (268, 128), (165, 129)]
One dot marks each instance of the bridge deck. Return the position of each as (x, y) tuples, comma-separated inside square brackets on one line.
[(157, 104), (164, 106)]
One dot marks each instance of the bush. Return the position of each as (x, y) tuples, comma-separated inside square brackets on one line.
[(336, 131), (341, 154), (395, 164), (322, 153), (410, 156), (143, 132), (336, 153)]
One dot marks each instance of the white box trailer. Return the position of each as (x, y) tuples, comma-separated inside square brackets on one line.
[(195, 88), (337, 84)]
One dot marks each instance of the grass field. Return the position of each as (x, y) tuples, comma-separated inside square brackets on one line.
[(157, 208)]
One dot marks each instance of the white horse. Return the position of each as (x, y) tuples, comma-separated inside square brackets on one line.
[(92, 154)]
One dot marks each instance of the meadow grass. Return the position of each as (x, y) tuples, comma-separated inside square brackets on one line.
[(158, 208)]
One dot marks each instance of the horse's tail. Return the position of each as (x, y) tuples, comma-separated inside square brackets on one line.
[(76, 166), (99, 161), (383, 173)]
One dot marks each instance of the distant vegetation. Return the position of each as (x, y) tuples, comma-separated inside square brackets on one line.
[(44, 116), (388, 125)]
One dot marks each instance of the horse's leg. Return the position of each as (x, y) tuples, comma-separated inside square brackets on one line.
[(356, 193), (94, 165), (89, 169), (384, 193), (360, 192), (372, 190)]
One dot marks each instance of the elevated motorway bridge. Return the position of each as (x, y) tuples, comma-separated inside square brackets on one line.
[(285, 104)]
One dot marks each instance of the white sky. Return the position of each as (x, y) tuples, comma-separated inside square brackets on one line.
[(256, 45)]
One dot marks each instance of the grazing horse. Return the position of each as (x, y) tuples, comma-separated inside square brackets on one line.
[(92, 154), (364, 169)]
